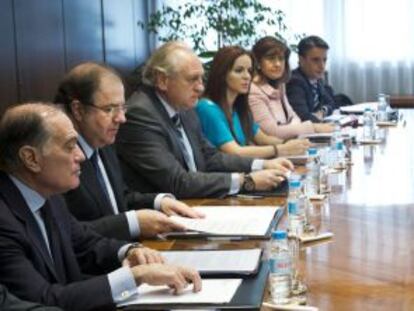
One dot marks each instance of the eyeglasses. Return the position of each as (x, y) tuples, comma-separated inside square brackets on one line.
[(110, 109)]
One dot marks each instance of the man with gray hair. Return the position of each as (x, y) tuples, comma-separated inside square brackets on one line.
[(161, 146), (45, 253)]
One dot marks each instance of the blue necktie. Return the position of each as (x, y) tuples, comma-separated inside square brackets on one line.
[(99, 176), (178, 127), (54, 241)]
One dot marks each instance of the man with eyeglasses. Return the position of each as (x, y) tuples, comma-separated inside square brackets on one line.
[(93, 97), (308, 93)]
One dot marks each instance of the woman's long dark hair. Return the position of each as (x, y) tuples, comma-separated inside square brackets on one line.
[(270, 46), (216, 89)]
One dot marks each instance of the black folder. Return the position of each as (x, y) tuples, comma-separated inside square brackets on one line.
[(213, 236), (230, 269), (249, 296)]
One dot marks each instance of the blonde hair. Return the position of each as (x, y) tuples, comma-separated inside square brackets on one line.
[(166, 60)]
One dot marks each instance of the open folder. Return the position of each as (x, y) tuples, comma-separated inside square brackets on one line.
[(232, 222), (280, 191), (214, 291), (219, 263)]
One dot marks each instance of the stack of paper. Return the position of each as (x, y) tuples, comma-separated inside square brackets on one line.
[(243, 262), (214, 291), (253, 221)]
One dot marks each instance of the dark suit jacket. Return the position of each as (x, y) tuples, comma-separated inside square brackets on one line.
[(150, 154), (300, 96), (25, 264), (8, 302), (89, 204)]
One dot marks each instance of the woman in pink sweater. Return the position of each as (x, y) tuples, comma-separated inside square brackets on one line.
[(267, 99)]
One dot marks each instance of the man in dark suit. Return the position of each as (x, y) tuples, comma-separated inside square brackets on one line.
[(93, 97), (45, 254), (8, 302), (161, 145), (308, 94)]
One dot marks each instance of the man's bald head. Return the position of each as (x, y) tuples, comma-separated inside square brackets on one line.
[(24, 125), (167, 59)]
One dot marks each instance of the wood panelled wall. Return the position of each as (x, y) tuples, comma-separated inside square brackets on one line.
[(41, 39)]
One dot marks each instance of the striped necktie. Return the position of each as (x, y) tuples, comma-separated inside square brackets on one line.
[(315, 94)]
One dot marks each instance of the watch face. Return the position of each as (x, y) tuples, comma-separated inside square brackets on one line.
[(248, 183)]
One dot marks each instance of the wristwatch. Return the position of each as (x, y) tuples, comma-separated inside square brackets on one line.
[(248, 183), (131, 247)]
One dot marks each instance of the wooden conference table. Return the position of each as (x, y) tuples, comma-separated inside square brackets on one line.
[(369, 263)]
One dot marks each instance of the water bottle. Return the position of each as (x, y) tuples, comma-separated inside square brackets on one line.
[(368, 119), (340, 155), (336, 139), (280, 268), (296, 208), (313, 172), (336, 135), (382, 114)]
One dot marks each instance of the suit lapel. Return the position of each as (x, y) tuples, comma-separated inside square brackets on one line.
[(170, 126), (113, 177), (191, 135), (91, 184), (19, 208), (55, 240)]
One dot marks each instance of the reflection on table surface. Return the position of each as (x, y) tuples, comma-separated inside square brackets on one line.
[(369, 263)]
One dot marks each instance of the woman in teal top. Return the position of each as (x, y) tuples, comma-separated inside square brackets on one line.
[(216, 127), (224, 112)]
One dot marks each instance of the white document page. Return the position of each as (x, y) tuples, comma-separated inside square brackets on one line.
[(225, 220), (215, 291), (242, 261)]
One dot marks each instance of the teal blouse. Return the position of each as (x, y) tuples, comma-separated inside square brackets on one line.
[(215, 126)]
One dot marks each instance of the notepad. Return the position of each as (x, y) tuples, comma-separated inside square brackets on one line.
[(367, 141), (386, 123), (299, 159), (318, 137), (214, 291), (228, 221), (289, 307), (311, 237), (217, 262), (359, 108)]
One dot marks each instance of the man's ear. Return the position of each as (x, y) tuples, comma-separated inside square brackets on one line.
[(161, 81), (76, 109), (301, 60), (31, 158)]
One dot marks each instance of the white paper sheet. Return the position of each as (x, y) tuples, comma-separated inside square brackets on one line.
[(233, 221), (243, 261), (214, 291)]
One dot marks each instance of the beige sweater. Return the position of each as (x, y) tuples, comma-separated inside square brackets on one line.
[(267, 109)]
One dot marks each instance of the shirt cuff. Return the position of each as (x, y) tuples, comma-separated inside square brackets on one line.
[(257, 165), (122, 251), (325, 111), (133, 224), (122, 284), (158, 199), (235, 183)]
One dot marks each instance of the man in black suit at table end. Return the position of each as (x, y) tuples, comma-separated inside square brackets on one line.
[(161, 145), (46, 255), (308, 93)]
